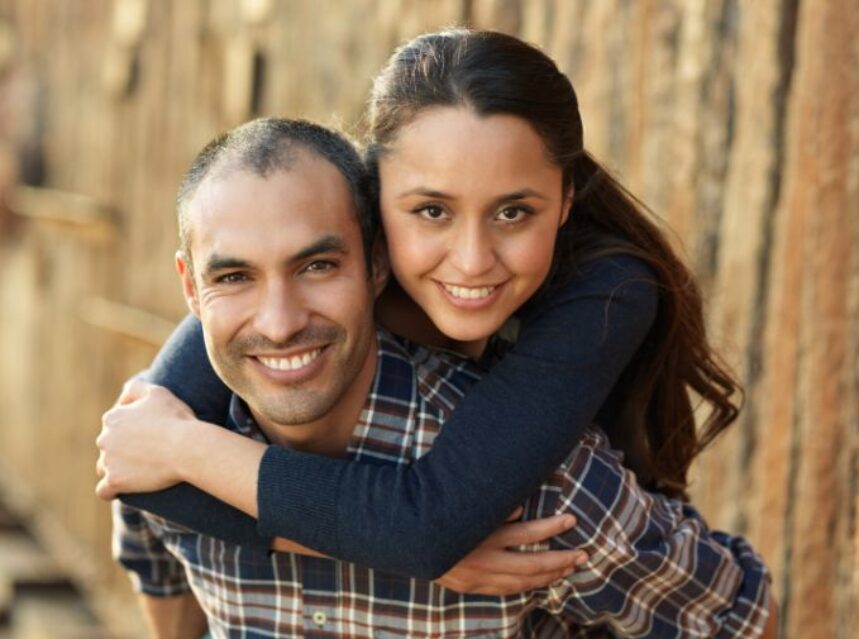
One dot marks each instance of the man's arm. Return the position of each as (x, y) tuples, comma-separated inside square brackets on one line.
[(176, 617), (771, 629), (170, 608), (654, 567)]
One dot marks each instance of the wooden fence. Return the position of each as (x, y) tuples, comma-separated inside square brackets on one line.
[(736, 121)]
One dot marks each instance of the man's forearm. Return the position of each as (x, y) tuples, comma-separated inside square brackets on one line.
[(177, 617), (771, 629)]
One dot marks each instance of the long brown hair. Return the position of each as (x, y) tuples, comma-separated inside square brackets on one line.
[(494, 73)]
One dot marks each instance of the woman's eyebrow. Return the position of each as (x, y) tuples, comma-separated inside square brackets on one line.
[(521, 194), (427, 192)]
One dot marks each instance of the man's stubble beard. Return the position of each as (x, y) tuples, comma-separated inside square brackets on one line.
[(294, 404)]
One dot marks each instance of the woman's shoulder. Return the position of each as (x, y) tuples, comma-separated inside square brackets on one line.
[(618, 278), (609, 271)]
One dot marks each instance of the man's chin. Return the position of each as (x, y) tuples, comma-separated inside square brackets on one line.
[(296, 411)]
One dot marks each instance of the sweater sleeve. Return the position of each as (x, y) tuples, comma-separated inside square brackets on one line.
[(183, 367), (512, 429)]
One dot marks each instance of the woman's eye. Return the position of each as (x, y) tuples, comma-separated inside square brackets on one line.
[(431, 212), (512, 214)]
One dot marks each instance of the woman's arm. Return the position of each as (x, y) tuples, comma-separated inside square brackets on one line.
[(509, 433), (512, 430), (183, 367)]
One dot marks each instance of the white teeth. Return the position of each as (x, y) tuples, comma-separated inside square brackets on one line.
[(468, 293), (290, 363)]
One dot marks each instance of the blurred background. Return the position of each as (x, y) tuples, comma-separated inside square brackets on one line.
[(737, 122)]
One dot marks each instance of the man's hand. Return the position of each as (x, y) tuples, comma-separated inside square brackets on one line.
[(494, 569), (138, 436), (177, 617)]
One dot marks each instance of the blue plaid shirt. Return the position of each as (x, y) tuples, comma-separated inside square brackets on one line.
[(654, 569)]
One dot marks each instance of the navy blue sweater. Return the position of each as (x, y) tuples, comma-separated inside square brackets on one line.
[(511, 431)]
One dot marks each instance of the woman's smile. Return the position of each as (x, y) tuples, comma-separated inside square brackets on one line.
[(471, 297)]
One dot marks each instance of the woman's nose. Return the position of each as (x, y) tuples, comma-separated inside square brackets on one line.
[(473, 250)]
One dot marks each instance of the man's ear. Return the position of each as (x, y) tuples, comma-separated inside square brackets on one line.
[(380, 265), (567, 205), (189, 289)]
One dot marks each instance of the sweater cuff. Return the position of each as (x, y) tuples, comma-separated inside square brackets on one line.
[(297, 499)]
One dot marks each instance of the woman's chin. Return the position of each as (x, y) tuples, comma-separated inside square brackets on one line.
[(469, 340)]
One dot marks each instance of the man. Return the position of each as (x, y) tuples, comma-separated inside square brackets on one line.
[(279, 267)]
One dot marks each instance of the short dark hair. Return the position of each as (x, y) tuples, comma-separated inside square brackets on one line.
[(266, 145)]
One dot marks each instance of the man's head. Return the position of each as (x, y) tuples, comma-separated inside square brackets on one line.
[(273, 263), (270, 144)]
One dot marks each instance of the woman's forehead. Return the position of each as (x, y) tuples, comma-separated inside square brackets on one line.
[(454, 148)]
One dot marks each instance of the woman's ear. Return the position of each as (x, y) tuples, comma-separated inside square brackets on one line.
[(567, 205), (380, 265)]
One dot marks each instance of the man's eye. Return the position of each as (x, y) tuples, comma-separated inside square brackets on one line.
[(512, 214), (431, 212), (321, 266), (231, 278)]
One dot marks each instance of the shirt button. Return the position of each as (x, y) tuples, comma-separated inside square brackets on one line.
[(319, 618)]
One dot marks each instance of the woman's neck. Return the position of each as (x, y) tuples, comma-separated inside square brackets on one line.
[(399, 313)]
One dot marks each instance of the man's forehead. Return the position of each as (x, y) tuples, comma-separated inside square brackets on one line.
[(304, 171), (285, 209)]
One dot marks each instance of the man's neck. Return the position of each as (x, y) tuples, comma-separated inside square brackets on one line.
[(330, 435)]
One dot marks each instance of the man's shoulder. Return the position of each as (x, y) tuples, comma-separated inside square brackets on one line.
[(440, 378)]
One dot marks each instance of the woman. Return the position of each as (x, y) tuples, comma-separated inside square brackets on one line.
[(611, 324)]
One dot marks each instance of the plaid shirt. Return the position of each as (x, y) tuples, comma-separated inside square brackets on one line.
[(654, 569)]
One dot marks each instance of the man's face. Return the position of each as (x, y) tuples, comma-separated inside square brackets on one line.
[(280, 284)]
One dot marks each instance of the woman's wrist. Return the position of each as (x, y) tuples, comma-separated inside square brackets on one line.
[(218, 461), (190, 447)]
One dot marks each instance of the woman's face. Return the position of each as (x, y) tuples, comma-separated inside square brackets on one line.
[(471, 207)]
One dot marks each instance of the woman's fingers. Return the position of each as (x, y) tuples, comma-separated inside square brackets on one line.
[(132, 390), (501, 584), (516, 514), (513, 562), (531, 532), (496, 568), (509, 572)]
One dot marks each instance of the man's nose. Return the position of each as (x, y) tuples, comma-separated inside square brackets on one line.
[(281, 313), (473, 249)]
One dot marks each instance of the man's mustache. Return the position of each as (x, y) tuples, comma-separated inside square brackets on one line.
[(310, 336)]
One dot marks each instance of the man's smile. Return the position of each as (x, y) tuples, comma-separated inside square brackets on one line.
[(291, 362)]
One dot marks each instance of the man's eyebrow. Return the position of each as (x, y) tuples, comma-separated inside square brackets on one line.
[(219, 263), (327, 244)]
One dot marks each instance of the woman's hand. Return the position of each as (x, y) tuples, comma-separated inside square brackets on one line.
[(138, 438), (494, 569)]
